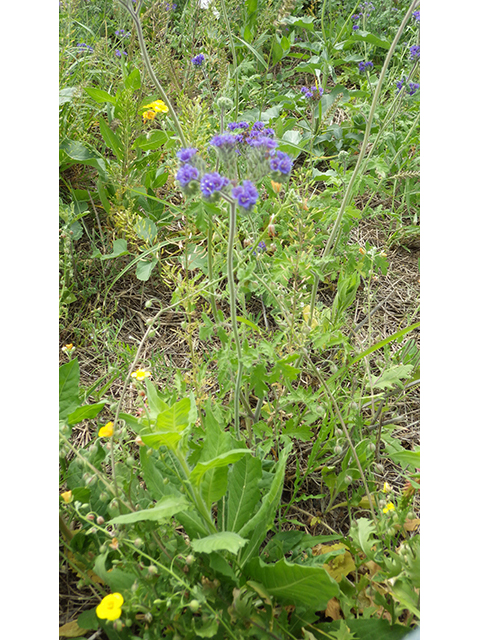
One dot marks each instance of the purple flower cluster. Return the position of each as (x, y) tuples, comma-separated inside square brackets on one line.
[(246, 195), (185, 155), (363, 66), (186, 174), (119, 53), (85, 47), (415, 52), (366, 9), (412, 87), (261, 247), (416, 15), (281, 163), (212, 182), (198, 60), (122, 33), (312, 92)]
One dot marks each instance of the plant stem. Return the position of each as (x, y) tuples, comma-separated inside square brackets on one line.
[(334, 235), (146, 58), (233, 314), (234, 55)]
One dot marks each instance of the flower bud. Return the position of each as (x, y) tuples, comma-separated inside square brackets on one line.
[(337, 449), (100, 520), (138, 542), (189, 559), (152, 570), (371, 447), (148, 304), (148, 617), (194, 605), (379, 467), (118, 625), (348, 479)]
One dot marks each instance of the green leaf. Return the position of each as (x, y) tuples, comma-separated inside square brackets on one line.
[(392, 376), (222, 460), (111, 139), (407, 597), (86, 412), (304, 22), (177, 417), (68, 378), (364, 36), (362, 534), (100, 96), (270, 500), (145, 268), (289, 583), (223, 541), (243, 491), (400, 455), (150, 141), (119, 249), (88, 619), (155, 403), (249, 323), (161, 512), (365, 629), (254, 51)]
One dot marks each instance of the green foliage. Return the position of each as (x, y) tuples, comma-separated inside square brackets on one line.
[(275, 408)]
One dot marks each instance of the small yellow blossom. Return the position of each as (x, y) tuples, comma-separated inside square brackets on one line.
[(389, 507), (362, 250), (67, 496), (276, 186), (139, 441), (386, 487), (68, 348), (153, 108), (114, 544), (110, 607), (141, 374), (106, 431)]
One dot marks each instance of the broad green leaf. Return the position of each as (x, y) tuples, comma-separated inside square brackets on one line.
[(243, 491), (222, 460), (119, 249), (99, 95), (223, 541), (364, 36), (145, 268), (304, 22), (156, 440), (402, 456), (289, 583), (407, 597), (176, 418), (150, 141), (87, 411), (68, 378), (392, 376), (72, 150), (111, 139), (254, 51), (365, 629), (217, 441), (270, 501), (167, 507), (277, 51)]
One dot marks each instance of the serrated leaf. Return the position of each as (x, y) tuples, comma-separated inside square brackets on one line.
[(362, 534), (392, 376), (222, 541), (289, 583), (167, 507)]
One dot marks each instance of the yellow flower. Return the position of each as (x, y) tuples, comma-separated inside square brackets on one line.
[(141, 374), (110, 607), (276, 186), (106, 431), (386, 487), (158, 106), (149, 115), (67, 496), (114, 544), (389, 507), (68, 348)]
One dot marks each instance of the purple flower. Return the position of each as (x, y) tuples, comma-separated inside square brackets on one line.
[(119, 53), (413, 86), (186, 173), (261, 247), (312, 92), (82, 45), (198, 60), (212, 182), (400, 84), (185, 155), (261, 141), (246, 195), (362, 66), (416, 15), (258, 126), (415, 52), (237, 125), (355, 27), (223, 140), (281, 163)]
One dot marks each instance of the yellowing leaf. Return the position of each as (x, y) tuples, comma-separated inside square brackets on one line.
[(339, 566), (333, 609), (71, 630), (307, 315)]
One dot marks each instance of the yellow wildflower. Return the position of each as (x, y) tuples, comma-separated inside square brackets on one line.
[(68, 348), (149, 115), (110, 607), (114, 543), (276, 186), (106, 431), (141, 374), (386, 487), (67, 496), (389, 507), (158, 106)]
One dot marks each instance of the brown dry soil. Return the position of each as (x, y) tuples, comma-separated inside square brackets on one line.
[(398, 296)]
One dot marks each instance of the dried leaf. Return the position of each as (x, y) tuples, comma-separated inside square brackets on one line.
[(333, 609), (411, 525), (75, 564), (72, 630), (339, 566)]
